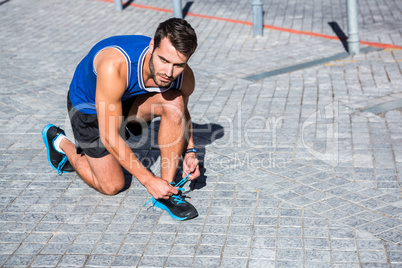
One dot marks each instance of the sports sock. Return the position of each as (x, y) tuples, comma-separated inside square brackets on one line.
[(57, 141)]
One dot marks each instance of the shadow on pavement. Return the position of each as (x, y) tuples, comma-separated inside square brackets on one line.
[(127, 4), (3, 2), (341, 35), (187, 8)]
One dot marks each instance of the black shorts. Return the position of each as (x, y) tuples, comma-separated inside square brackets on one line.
[(86, 129)]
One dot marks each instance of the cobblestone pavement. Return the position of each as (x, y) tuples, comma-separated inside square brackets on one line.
[(301, 169)]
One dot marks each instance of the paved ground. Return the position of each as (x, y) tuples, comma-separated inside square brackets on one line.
[(296, 172)]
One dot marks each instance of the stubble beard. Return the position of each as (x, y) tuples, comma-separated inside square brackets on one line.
[(158, 82)]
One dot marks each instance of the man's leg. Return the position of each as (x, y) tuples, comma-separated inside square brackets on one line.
[(103, 174), (169, 106)]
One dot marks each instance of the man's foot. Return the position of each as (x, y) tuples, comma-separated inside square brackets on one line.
[(177, 207), (57, 160)]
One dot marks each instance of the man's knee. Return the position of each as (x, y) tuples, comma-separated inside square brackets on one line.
[(112, 188), (173, 106)]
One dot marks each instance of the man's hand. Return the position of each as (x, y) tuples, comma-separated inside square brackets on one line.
[(190, 164), (160, 188)]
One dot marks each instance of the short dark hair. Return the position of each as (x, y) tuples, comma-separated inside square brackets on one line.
[(180, 34)]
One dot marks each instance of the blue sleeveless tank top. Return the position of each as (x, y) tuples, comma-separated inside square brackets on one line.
[(134, 48)]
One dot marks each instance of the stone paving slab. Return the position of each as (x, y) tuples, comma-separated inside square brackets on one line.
[(296, 173)]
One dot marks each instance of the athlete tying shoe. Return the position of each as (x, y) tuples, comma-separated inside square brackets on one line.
[(131, 79)]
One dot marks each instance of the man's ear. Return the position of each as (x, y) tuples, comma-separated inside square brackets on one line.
[(151, 45)]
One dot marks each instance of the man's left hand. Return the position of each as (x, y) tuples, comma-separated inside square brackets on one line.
[(191, 165)]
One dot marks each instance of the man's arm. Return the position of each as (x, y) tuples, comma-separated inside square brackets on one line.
[(111, 68), (190, 162)]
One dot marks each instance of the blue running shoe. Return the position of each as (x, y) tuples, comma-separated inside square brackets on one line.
[(57, 160), (177, 207)]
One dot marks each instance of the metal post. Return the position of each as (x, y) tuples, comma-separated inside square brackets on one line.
[(177, 9), (118, 5), (258, 20), (353, 28)]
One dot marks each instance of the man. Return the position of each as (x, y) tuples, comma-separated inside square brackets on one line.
[(131, 78)]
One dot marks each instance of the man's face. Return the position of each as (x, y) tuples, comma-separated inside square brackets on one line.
[(166, 63)]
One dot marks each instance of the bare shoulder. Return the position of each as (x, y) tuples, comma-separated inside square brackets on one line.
[(188, 82), (111, 70), (111, 59)]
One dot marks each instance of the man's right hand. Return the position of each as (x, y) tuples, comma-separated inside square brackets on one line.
[(160, 188)]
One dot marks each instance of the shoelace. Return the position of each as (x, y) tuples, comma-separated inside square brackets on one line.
[(177, 198), (61, 165)]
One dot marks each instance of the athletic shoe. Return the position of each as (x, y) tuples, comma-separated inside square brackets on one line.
[(57, 160), (178, 208)]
